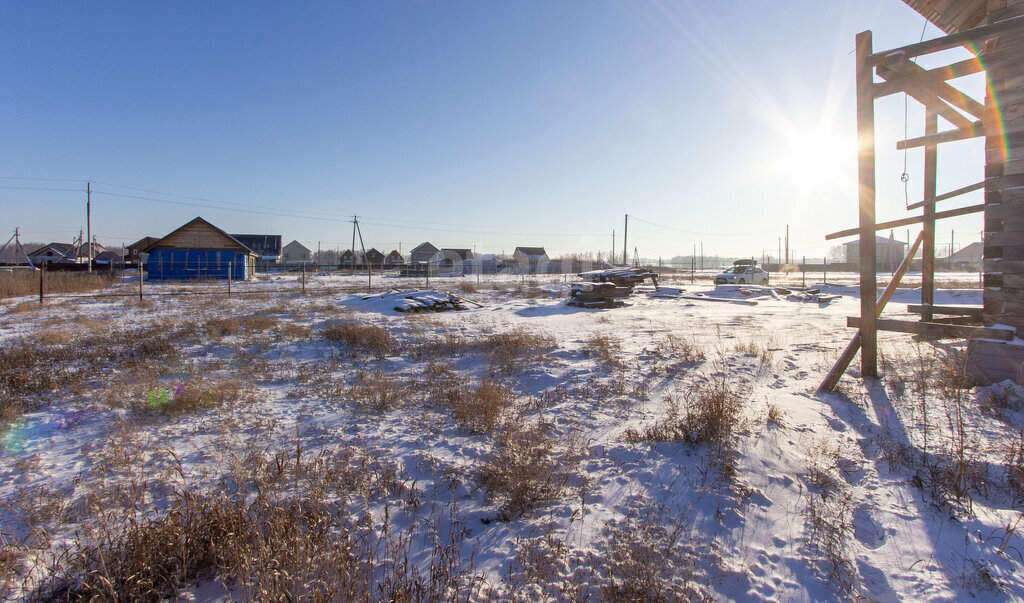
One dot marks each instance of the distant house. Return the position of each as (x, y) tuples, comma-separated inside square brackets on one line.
[(266, 247), (64, 253), (530, 259), (482, 264), (296, 253), (968, 258), (199, 250), (374, 258), (52, 253), (393, 259), (347, 258), (109, 259), (422, 253), (134, 254), (450, 260), (888, 253)]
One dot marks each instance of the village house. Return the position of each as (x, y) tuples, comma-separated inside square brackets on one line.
[(266, 247), (200, 250), (530, 259), (295, 253)]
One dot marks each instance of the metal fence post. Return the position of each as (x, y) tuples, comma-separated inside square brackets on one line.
[(42, 273)]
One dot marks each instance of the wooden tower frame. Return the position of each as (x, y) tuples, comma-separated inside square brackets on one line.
[(970, 119)]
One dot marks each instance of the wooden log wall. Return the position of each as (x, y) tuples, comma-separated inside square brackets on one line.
[(1004, 173)]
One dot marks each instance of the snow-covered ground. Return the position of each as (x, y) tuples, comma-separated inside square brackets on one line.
[(905, 488)]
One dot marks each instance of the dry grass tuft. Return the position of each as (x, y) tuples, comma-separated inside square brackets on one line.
[(17, 283), (358, 337), (510, 349), (378, 392), (712, 414), (646, 557), (603, 347), (686, 349), (481, 410), (528, 467), (195, 395)]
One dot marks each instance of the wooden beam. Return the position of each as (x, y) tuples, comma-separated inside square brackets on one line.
[(833, 376), (957, 320), (931, 126), (977, 129), (949, 213), (956, 193), (973, 36), (974, 311), (934, 329), (906, 80), (949, 94), (866, 200)]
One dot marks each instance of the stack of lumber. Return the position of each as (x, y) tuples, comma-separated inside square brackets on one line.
[(620, 277), (597, 295), (426, 301)]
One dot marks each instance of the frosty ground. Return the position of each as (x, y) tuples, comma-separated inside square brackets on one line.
[(521, 449)]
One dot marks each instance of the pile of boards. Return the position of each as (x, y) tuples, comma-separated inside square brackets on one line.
[(420, 301), (814, 296), (607, 288)]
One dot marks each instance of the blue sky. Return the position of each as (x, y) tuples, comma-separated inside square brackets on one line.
[(469, 124)]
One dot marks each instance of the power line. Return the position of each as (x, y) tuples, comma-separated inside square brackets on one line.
[(705, 234)]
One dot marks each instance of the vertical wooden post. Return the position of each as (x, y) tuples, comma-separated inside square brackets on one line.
[(42, 278), (931, 126), (866, 197), (303, 277), (140, 280), (229, 279)]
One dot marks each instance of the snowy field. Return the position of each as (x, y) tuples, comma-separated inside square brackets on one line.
[(521, 449)]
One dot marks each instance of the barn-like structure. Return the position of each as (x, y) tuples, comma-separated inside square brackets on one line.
[(199, 251), (993, 31)]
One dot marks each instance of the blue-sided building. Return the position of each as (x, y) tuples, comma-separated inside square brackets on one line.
[(199, 251)]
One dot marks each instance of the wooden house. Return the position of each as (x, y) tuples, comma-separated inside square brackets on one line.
[(422, 253), (134, 253), (530, 259), (373, 258), (347, 259), (393, 259), (198, 251), (295, 253)]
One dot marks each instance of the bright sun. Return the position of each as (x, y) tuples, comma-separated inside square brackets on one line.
[(811, 161)]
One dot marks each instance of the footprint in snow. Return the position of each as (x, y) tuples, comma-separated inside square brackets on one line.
[(866, 528)]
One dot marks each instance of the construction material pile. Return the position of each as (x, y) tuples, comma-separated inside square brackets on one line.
[(607, 288), (408, 302)]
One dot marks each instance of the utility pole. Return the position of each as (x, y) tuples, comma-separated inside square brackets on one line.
[(353, 247), (625, 235), (787, 243), (88, 220)]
